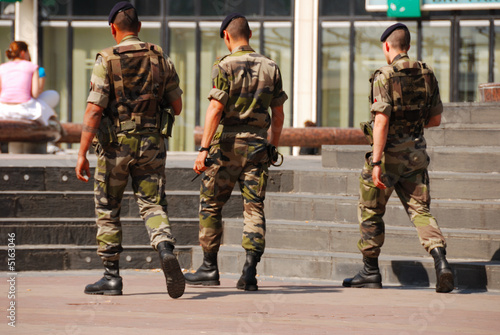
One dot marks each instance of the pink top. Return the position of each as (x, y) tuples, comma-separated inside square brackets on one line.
[(16, 78)]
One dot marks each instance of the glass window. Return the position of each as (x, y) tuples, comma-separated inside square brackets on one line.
[(278, 47), (7, 9), (93, 7), (496, 67), (55, 62), (437, 14), (335, 7), (91, 37), (278, 8), (87, 43), (360, 9), (368, 58), (181, 8), (149, 34), (436, 53), (335, 74), (147, 8), (5, 39), (50, 8), (183, 55), (224, 7), (473, 58)]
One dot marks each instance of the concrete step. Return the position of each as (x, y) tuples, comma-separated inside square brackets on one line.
[(28, 204), (471, 113), (470, 135), (444, 185), (40, 257), (395, 270), (309, 179), (82, 231), (303, 235), (453, 214), (322, 180), (51, 178), (454, 159), (343, 237)]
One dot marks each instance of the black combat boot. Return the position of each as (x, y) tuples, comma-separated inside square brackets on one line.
[(171, 269), (207, 274), (110, 284), (369, 277), (444, 275), (247, 281)]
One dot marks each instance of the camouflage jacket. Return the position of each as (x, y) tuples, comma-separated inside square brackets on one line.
[(406, 91), (247, 84), (136, 87)]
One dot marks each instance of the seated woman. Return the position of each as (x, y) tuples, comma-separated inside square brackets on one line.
[(21, 89)]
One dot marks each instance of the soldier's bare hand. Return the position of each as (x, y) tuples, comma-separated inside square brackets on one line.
[(377, 177), (82, 168), (199, 163)]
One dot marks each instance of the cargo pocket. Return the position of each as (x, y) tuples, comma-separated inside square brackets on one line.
[(208, 185), (368, 193), (418, 160), (100, 185), (261, 192)]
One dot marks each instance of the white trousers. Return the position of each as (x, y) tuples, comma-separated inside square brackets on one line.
[(40, 109)]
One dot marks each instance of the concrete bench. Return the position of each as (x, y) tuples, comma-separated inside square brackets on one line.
[(25, 136)]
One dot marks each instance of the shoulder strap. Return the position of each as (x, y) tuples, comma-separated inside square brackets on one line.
[(372, 79), (157, 67)]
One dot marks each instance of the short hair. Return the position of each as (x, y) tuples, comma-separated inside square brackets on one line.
[(127, 20), (399, 39), (15, 49), (239, 29)]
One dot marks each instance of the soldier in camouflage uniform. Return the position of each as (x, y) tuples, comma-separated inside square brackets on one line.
[(245, 85), (405, 100), (132, 83)]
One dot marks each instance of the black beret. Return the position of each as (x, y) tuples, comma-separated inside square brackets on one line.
[(121, 6), (228, 20), (389, 30)]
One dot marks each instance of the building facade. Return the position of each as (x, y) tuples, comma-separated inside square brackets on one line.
[(326, 50)]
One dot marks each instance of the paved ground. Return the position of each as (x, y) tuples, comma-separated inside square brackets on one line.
[(54, 303)]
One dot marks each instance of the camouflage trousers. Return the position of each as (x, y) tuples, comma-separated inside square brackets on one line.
[(411, 182), (241, 159), (143, 158)]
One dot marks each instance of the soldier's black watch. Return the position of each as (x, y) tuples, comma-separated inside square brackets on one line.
[(375, 163), (203, 149)]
